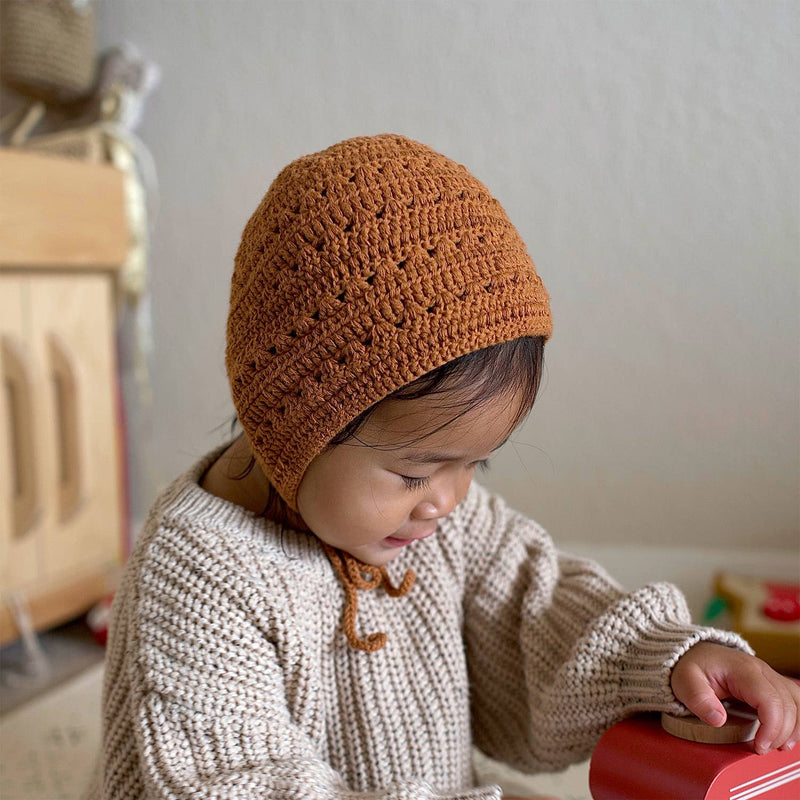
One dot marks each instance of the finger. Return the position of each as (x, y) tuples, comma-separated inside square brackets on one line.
[(794, 732), (794, 738), (776, 700), (694, 691), (708, 708), (771, 714)]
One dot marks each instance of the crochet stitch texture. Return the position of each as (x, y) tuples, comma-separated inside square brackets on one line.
[(364, 267)]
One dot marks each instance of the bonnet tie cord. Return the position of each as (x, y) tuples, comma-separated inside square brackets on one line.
[(352, 574)]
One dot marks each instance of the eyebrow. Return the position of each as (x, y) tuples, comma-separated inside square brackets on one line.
[(429, 457)]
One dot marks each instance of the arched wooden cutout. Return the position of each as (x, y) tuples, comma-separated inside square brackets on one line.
[(67, 427), (17, 386)]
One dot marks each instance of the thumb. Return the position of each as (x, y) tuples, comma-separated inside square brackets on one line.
[(691, 687), (707, 706)]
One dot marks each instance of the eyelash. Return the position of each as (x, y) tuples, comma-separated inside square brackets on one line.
[(413, 483)]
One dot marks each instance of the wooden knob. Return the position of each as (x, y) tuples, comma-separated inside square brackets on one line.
[(740, 726)]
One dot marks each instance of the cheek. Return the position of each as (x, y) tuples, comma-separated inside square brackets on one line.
[(464, 484), (375, 502), (359, 504)]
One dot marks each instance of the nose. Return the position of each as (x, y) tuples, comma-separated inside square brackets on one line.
[(442, 498), (426, 510)]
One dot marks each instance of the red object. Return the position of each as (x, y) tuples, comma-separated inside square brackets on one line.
[(783, 602), (98, 618), (638, 760)]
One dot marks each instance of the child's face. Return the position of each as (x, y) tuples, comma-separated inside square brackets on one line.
[(374, 495)]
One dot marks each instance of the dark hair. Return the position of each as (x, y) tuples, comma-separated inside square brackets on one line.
[(473, 379)]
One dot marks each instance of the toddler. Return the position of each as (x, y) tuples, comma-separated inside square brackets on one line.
[(330, 606)]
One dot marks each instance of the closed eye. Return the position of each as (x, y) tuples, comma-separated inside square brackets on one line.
[(415, 483)]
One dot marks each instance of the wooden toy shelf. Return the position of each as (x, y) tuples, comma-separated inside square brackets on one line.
[(63, 238)]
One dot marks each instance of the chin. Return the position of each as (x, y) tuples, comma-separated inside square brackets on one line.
[(377, 558)]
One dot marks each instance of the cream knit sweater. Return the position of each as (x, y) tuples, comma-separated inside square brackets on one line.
[(228, 675)]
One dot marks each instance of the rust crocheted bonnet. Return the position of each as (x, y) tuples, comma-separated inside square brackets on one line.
[(364, 267)]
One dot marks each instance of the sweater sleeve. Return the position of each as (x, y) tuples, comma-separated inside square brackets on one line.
[(557, 651), (187, 754), (211, 669)]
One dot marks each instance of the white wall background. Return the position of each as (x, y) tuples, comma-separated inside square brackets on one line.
[(648, 154)]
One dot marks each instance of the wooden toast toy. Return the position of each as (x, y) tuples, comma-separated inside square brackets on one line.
[(652, 757), (767, 614)]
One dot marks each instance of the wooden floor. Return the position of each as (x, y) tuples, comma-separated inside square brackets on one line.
[(67, 651), (48, 745)]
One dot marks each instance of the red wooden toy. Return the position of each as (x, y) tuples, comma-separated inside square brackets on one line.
[(638, 760)]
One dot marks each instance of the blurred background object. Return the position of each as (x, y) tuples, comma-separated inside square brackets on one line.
[(48, 48), (766, 612), (78, 202)]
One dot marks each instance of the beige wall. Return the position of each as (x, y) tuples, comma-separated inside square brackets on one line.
[(647, 152)]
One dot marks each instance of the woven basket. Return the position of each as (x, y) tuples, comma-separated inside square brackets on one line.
[(47, 48)]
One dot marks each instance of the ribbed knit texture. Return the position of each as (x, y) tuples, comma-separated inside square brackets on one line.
[(226, 677), (364, 267)]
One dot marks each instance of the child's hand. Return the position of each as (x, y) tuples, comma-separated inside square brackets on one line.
[(710, 672)]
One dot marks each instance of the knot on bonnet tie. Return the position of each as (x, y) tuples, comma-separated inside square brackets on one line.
[(352, 573)]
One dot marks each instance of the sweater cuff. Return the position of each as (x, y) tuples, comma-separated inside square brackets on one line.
[(645, 682)]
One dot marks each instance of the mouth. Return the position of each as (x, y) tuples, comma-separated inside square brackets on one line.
[(398, 541)]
